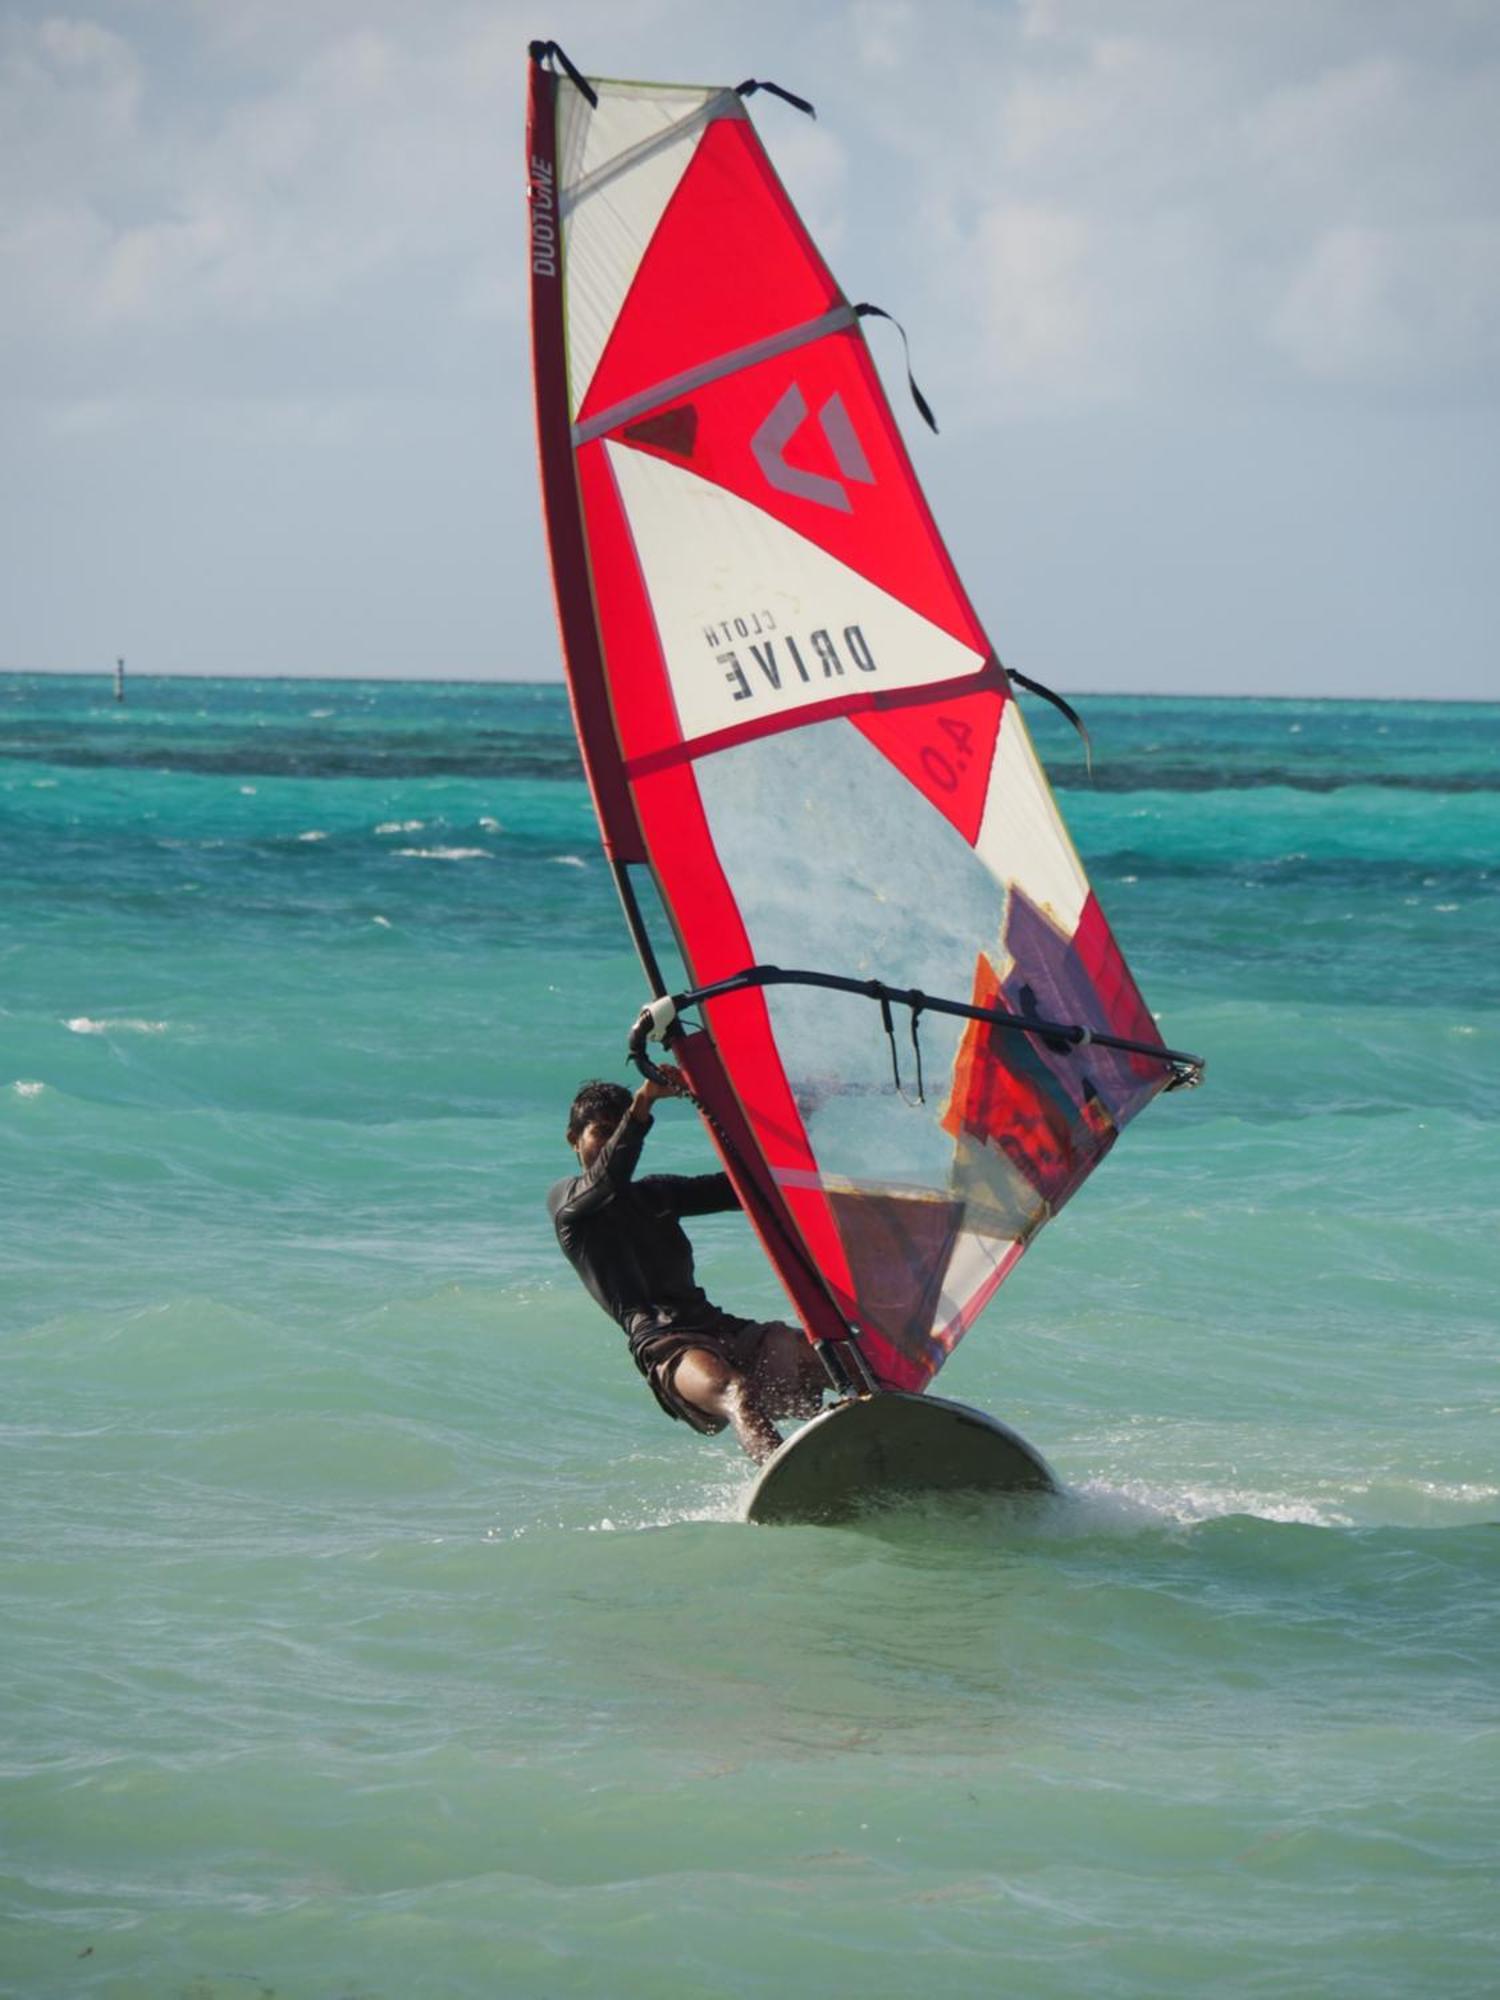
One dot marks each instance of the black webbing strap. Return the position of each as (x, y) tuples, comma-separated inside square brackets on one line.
[(1064, 707), (751, 84), (867, 311), (916, 1002), (542, 52)]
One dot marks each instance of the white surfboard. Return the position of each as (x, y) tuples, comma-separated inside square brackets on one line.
[(878, 1451)]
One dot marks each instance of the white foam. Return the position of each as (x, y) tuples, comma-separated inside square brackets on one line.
[(1139, 1504), (248, 791), (490, 825), (447, 853), (28, 1089), (384, 922), (401, 826), (569, 861), (315, 834), (82, 1024)]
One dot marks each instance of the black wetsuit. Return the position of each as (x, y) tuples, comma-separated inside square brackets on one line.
[(624, 1239)]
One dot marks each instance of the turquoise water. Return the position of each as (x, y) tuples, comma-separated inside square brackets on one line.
[(366, 1631)]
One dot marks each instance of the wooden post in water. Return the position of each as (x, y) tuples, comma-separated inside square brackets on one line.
[(119, 680)]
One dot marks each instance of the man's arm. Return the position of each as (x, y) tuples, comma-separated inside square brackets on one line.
[(615, 1162), (685, 1194), (697, 1194)]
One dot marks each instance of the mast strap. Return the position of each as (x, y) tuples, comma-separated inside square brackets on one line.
[(541, 51), (867, 311), (1063, 707), (751, 84)]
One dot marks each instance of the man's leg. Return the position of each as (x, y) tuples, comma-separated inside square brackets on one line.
[(711, 1385)]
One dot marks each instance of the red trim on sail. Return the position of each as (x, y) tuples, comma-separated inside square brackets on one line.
[(872, 702)]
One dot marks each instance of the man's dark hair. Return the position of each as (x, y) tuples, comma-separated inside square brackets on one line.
[(597, 1103)]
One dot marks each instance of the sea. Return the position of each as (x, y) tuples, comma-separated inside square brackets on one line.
[(366, 1631)]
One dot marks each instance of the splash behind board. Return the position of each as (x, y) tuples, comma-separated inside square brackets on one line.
[(877, 1451)]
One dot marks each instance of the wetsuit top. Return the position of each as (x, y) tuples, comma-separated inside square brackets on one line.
[(623, 1237)]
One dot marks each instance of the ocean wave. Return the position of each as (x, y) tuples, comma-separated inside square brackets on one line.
[(84, 1024), (446, 853), (1148, 774), (1141, 1504), (492, 754)]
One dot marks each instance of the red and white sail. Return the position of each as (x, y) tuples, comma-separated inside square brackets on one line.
[(791, 715)]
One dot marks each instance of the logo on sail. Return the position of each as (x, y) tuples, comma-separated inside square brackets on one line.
[(782, 425)]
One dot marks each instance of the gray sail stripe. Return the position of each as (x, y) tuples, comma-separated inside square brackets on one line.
[(725, 105), (711, 371)]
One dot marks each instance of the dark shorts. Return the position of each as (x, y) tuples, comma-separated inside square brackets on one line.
[(657, 1352)]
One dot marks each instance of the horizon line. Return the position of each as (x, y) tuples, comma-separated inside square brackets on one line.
[(559, 681)]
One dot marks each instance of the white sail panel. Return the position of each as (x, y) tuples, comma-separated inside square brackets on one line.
[(754, 619), (1022, 839), (975, 1268)]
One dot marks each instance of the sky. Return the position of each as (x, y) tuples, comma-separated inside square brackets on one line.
[(1205, 293)]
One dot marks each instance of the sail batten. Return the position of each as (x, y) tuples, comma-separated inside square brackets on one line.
[(645, 400), (791, 713)]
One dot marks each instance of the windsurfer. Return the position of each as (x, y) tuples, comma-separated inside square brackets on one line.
[(624, 1238)]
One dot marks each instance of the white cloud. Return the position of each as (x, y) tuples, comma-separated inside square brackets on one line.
[(1085, 200), (1395, 305), (1038, 303), (365, 159), (885, 33), (1179, 188), (262, 293)]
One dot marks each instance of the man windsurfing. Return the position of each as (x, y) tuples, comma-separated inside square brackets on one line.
[(624, 1238)]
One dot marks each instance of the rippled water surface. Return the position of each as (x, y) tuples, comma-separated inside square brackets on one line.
[(368, 1632)]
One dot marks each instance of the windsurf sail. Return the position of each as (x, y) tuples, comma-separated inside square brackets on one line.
[(791, 716)]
